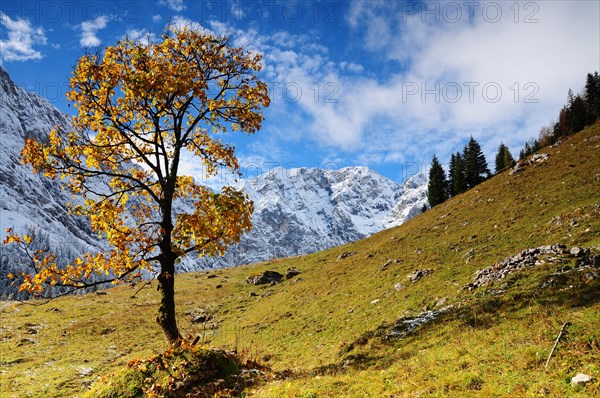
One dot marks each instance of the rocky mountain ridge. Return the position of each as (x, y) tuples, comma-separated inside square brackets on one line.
[(304, 210), (29, 202)]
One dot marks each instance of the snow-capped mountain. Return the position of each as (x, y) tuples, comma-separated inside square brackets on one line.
[(303, 210), (411, 202), (297, 211), (29, 201)]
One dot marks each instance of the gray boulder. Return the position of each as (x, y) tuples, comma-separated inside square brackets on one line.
[(265, 278), (418, 274)]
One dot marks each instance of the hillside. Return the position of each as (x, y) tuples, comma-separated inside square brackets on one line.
[(340, 327)]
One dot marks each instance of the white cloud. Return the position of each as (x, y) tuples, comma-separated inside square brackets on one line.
[(22, 37), (191, 165), (156, 18), (351, 67), (175, 5), (237, 11), (455, 67), (378, 119), (89, 30), (179, 22), (304, 85), (142, 35), (526, 61)]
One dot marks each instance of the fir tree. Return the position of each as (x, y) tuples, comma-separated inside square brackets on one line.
[(580, 111), (504, 158), (437, 190), (592, 98), (573, 116), (530, 148), (475, 165), (561, 128), (456, 175), (577, 119)]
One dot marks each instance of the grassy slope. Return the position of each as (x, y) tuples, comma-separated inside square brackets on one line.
[(493, 345)]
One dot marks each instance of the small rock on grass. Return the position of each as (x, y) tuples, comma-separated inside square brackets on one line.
[(345, 255), (418, 274), (291, 272), (580, 379)]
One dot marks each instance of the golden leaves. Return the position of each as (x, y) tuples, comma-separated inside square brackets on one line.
[(139, 107), (218, 220), (11, 237)]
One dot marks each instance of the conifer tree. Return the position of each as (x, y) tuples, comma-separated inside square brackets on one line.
[(530, 148), (456, 175), (592, 97), (573, 116), (580, 111), (475, 165), (509, 160), (577, 120), (561, 128), (504, 158), (437, 190)]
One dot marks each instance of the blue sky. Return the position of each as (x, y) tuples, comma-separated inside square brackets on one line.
[(383, 84)]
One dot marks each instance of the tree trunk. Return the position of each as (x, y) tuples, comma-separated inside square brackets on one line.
[(166, 312), (166, 279)]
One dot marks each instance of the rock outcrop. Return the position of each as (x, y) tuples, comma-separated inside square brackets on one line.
[(265, 278), (418, 274), (530, 258), (533, 160), (407, 324)]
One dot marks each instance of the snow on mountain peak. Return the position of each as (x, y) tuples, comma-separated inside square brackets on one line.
[(30, 202), (303, 210)]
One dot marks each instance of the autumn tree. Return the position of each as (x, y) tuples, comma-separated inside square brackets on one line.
[(437, 188), (140, 108), (546, 137)]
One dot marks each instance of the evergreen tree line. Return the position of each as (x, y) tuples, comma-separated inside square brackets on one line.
[(469, 168), (466, 170), (581, 110)]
